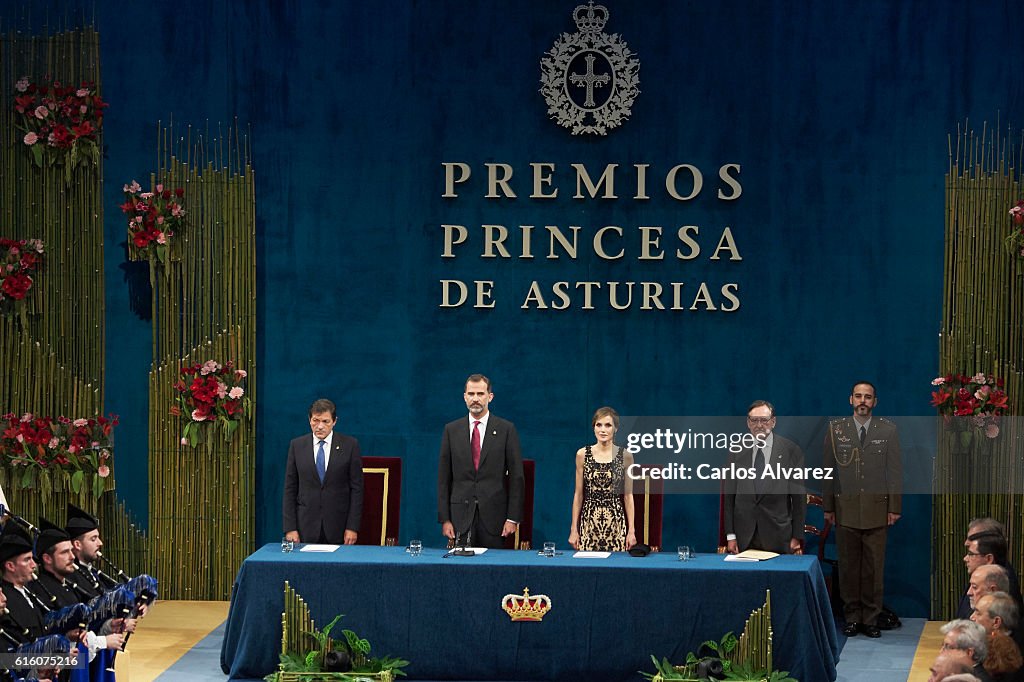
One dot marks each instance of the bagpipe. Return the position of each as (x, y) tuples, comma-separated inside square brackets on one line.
[(24, 523), (48, 645), (124, 601), (123, 597)]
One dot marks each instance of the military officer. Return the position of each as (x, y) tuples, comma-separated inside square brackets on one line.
[(862, 499)]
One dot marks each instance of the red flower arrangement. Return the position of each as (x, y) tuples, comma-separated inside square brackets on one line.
[(72, 446), (153, 218), (977, 401), (1015, 240), (18, 260), (58, 120), (209, 394)]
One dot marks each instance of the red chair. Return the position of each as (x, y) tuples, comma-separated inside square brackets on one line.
[(382, 498), (523, 539), (648, 503)]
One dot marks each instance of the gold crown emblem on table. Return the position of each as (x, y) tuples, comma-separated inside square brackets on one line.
[(524, 607)]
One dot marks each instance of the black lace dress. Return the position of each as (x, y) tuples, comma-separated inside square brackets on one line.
[(603, 518)]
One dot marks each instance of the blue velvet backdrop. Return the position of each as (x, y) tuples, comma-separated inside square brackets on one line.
[(838, 113)]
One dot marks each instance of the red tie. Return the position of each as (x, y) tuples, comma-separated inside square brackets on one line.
[(475, 444)]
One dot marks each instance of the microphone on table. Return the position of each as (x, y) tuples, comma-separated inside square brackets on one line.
[(461, 550)]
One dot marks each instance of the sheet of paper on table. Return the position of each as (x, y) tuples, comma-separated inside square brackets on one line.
[(318, 548), (751, 555), (591, 555)]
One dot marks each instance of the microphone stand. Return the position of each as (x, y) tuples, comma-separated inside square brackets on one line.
[(462, 550)]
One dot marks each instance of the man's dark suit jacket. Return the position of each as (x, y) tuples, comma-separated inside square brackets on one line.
[(461, 488), (335, 505), (778, 512)]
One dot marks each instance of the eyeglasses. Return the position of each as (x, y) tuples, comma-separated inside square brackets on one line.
[(970, 553), (760, 420)]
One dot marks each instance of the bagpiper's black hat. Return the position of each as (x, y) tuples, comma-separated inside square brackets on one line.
[(49, 536), (15, 542), (80, 522)]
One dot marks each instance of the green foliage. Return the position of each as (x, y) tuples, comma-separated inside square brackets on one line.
[(740, 671), (357, 647)]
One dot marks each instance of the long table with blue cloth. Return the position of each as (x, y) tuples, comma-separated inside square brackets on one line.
[(444, 614)]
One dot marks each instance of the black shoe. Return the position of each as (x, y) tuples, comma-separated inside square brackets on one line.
[(851, 629), (871, 631)]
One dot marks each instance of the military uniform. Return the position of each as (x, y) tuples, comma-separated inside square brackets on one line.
[(865, 488)]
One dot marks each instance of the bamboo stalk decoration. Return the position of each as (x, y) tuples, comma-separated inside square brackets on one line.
[(204, 307), (55, 364), (755, 644), (296, 624), (983, 314)]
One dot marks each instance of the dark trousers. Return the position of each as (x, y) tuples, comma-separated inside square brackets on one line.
[(861, 572), (763, 544), (480, 537), (484, 538)]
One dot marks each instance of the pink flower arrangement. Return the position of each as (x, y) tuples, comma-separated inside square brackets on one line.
[(153, 218), (30, 444), (210, 394), (59, 121), (973, 401)]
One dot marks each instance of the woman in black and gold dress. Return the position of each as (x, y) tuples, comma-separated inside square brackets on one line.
[(602, 508)]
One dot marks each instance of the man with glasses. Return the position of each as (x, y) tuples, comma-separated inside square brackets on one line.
[(862, 499), (765, 512), (986, 545), (966, 643)]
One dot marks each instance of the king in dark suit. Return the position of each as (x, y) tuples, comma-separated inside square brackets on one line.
[(765, 513), (480, 473), (323, 482)]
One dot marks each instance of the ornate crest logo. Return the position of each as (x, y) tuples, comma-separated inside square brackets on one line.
[(589, 79)]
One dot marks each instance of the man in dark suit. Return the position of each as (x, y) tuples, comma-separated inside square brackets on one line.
[(477, 454), (862, 499), (765, 513), (323, 482)]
